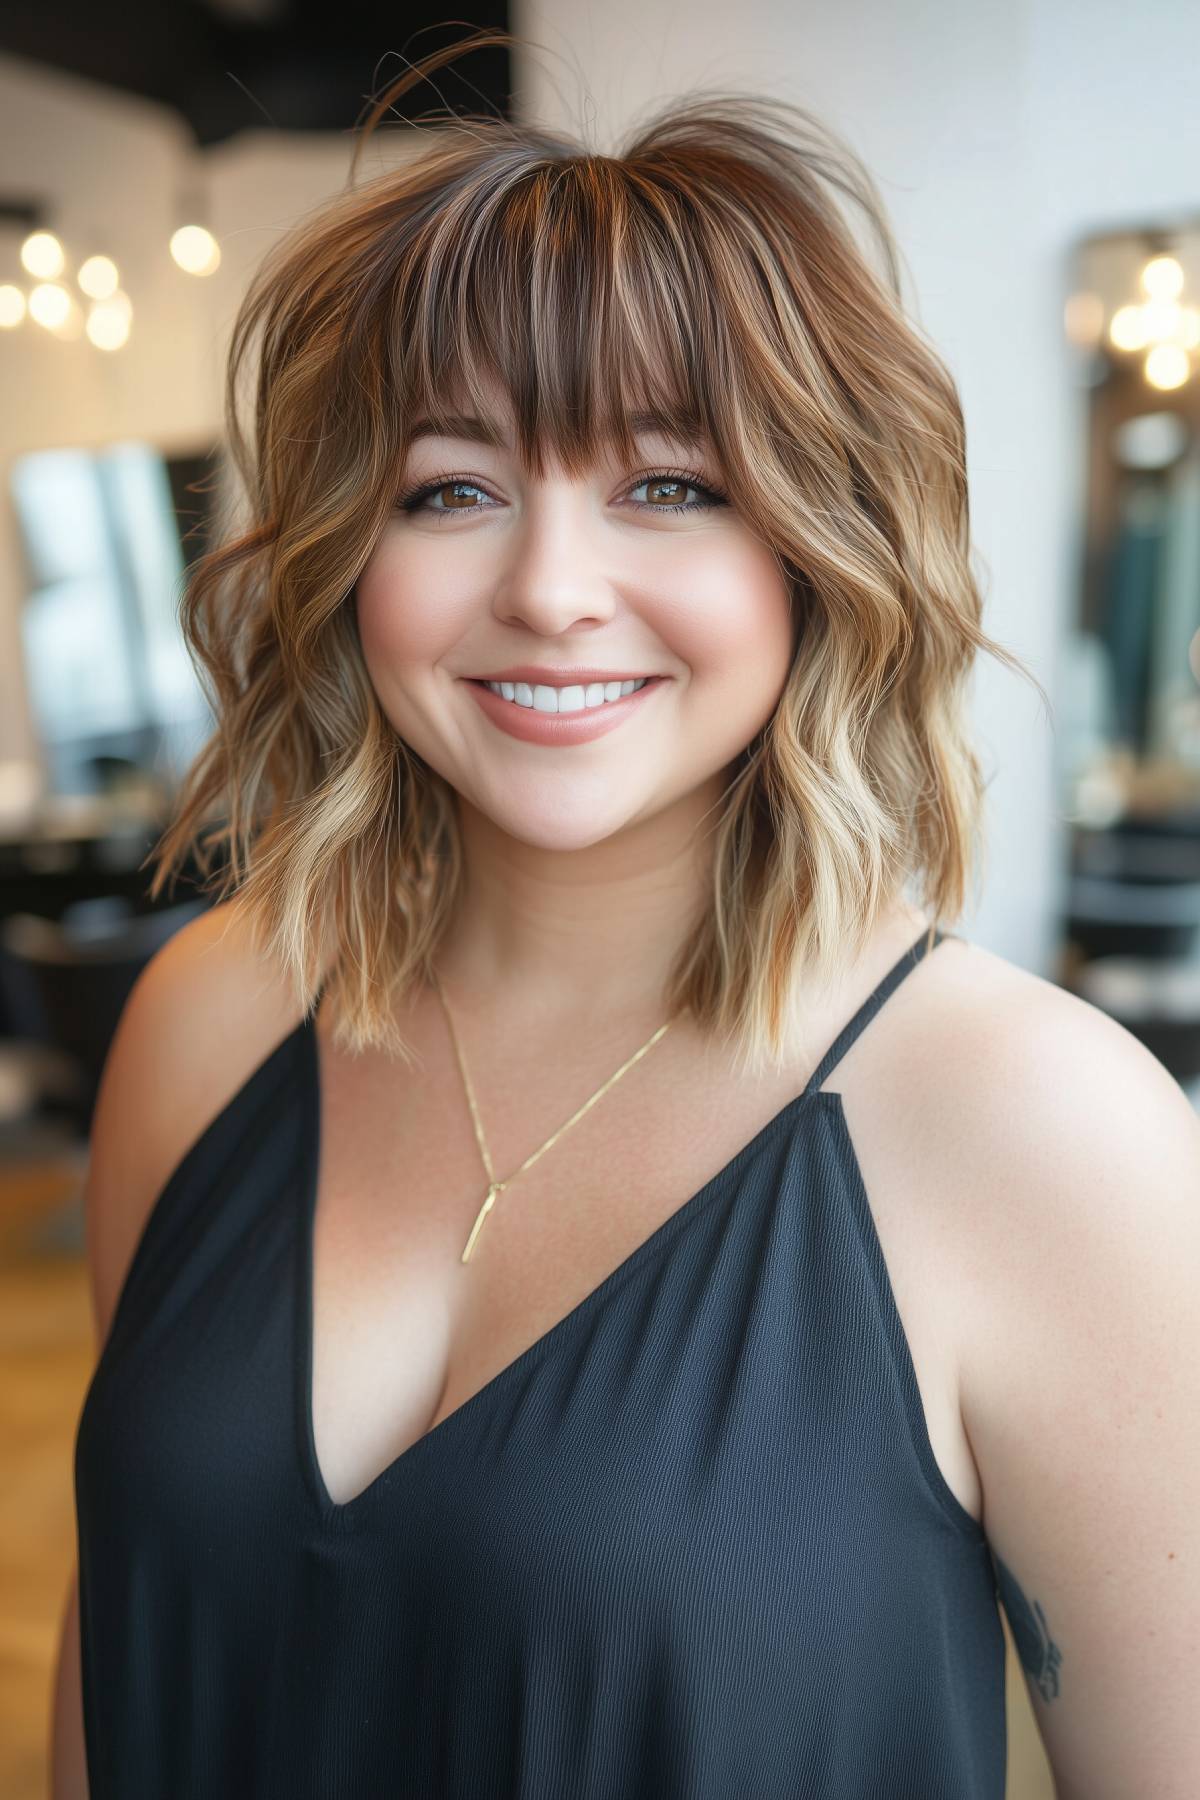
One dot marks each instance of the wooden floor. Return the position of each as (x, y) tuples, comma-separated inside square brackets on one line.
[(46, 1353)]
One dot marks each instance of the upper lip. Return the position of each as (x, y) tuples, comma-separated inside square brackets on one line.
[(532, 673)]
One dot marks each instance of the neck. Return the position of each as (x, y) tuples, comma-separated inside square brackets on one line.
[(554, 936)]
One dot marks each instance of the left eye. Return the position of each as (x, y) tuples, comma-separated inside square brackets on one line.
[(674, 479)]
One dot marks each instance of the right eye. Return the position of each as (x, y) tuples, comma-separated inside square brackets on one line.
[(415, 501)]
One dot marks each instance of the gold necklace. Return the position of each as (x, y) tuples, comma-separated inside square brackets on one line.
[(497, 1187)]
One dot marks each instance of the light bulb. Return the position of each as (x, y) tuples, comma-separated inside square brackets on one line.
[(42, 255), (98, 277), (195, 249)]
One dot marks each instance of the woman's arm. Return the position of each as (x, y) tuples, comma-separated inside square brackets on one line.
[(155, 1092), (1081, 1382), (67, 1759)]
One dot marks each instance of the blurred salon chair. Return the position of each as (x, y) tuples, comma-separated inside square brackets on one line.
[(1135, 893), (65, 983), (1133, 923)]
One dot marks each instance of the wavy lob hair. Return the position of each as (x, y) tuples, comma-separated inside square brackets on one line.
[(706, 273)]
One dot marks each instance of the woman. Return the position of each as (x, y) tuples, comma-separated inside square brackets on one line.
[(576, 1359)]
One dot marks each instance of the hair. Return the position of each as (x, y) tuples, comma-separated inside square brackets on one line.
[(705, 272)]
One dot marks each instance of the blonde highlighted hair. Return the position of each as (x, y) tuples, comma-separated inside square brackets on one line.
[(706, 273)]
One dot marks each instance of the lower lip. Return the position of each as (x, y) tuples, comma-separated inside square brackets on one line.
[(534, 727)]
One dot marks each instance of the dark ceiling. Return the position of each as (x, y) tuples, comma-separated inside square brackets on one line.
[(234, 65)]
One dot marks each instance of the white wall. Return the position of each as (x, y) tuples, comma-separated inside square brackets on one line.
[(998, 133)]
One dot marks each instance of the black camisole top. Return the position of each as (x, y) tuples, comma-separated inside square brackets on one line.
[(692, 1544)]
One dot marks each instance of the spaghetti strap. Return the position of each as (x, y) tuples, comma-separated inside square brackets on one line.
[(871, 1005)]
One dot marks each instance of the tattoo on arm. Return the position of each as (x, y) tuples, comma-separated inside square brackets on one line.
[(1040, 1655)]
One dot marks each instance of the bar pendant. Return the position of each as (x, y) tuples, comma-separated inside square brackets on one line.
[(484, 1210)]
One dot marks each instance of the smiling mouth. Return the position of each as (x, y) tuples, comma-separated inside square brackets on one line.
[(579, 698)]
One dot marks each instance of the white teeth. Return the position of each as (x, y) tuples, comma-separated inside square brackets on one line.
[(567, 699)]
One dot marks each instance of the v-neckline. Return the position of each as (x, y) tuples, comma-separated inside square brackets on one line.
[(342, 1514)]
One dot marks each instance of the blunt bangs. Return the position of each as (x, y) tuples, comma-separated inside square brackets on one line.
[(578, 244)]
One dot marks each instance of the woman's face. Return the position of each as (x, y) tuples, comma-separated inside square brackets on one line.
[(624, 573)]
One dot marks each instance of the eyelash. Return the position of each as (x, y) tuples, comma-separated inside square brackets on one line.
[(411, 502)]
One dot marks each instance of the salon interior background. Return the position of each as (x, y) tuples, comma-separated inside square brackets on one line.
[(1003, 135), (1036, 158)]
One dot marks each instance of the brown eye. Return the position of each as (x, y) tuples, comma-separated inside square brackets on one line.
[(445, 484), (665, 487), (668, 485)]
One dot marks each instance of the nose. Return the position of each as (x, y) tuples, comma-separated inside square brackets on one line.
[(553, 579)]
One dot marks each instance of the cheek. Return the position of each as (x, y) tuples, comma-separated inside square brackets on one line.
[(732, 624), (406, 614)]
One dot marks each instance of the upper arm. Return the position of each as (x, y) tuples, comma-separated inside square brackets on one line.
[(164, 1075), (167, 1072), (132, 1141), (68, 1741), (1081, 1390)]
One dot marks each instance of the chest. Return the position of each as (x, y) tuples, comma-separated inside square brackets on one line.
[(403, 1332)]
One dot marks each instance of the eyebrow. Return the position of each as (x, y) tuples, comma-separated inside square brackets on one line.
[(486, 431)]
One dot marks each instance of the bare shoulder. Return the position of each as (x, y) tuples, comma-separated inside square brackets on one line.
[(1027, 1075), (1072, 1158), (202, 1014), (1049, 1122)]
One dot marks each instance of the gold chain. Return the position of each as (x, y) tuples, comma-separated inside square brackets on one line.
[(497, 1187)]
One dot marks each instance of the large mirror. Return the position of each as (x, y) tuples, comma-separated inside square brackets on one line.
[(1129, 706)]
